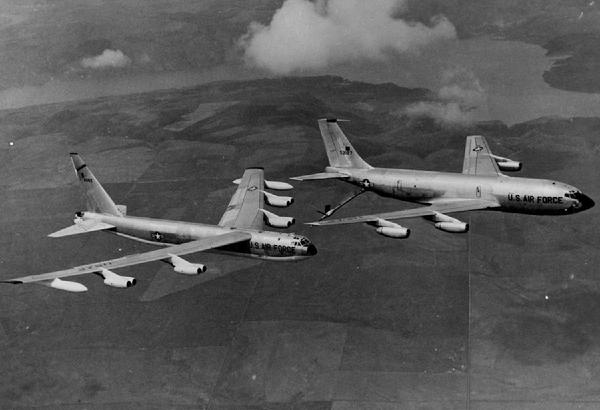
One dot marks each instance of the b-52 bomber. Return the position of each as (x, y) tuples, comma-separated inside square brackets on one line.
[(481, 185), (239, 232)]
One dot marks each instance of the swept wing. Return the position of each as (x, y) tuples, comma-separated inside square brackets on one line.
[(321, 175), (243, 210), (162, 253), (444, 207), (478, 157)]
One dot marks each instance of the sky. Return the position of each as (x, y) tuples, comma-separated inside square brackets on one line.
[(70, 50)]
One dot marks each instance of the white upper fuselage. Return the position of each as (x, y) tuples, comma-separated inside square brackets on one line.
[(263, 244), (513, 194)]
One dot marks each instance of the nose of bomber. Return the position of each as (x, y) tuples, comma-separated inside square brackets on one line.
[(311, 250), (586, 202)]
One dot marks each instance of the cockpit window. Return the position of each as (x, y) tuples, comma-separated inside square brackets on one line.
[(304, 242)]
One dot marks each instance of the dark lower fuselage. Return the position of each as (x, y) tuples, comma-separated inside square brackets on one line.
[(512, 194), (263, 244)]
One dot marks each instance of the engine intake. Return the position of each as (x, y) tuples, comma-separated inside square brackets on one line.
[(117, 281), (277, 221)]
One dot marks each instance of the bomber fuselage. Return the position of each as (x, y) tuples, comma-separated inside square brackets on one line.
[(513, 194), (263, 244)]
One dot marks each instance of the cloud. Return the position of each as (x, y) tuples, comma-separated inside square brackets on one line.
[(461, 96), (108, 58), (309, 35)]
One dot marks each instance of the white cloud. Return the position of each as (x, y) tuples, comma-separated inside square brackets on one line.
[(108, 58), (460, 96), (309, 35)]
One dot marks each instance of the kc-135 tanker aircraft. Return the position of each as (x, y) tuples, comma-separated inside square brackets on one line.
[(239, 232), (481, 185)]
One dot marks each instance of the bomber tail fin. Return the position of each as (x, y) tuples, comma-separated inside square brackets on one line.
[(97, 200), (339, 150)]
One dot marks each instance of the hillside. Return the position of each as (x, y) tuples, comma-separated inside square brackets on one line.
[(504, 315)]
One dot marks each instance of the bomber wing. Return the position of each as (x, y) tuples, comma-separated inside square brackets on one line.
[(243, 210), (478, 157), (162, 253), (320, 175), (444, 207)]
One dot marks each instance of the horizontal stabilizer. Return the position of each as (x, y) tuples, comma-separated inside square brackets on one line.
[(320, 175), (81, 227)]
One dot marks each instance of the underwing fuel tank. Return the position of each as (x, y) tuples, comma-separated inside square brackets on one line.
[(278, 185), (67, 285)]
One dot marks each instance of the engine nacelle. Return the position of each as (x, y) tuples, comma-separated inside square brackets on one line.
[(277, 221), (184, 267), (454, 227), (279, 201), (191, 269), (278, 185), (398, 233), (117, 281), (448, 224), (391, 229), (509, 165)]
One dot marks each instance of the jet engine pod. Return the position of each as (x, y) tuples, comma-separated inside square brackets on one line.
[(117, 281), (277, 221), (278, 201), (190, 269), (399, 233), (509, 165), (184, 267), (278, 185), (454, 227), (391, 229)]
